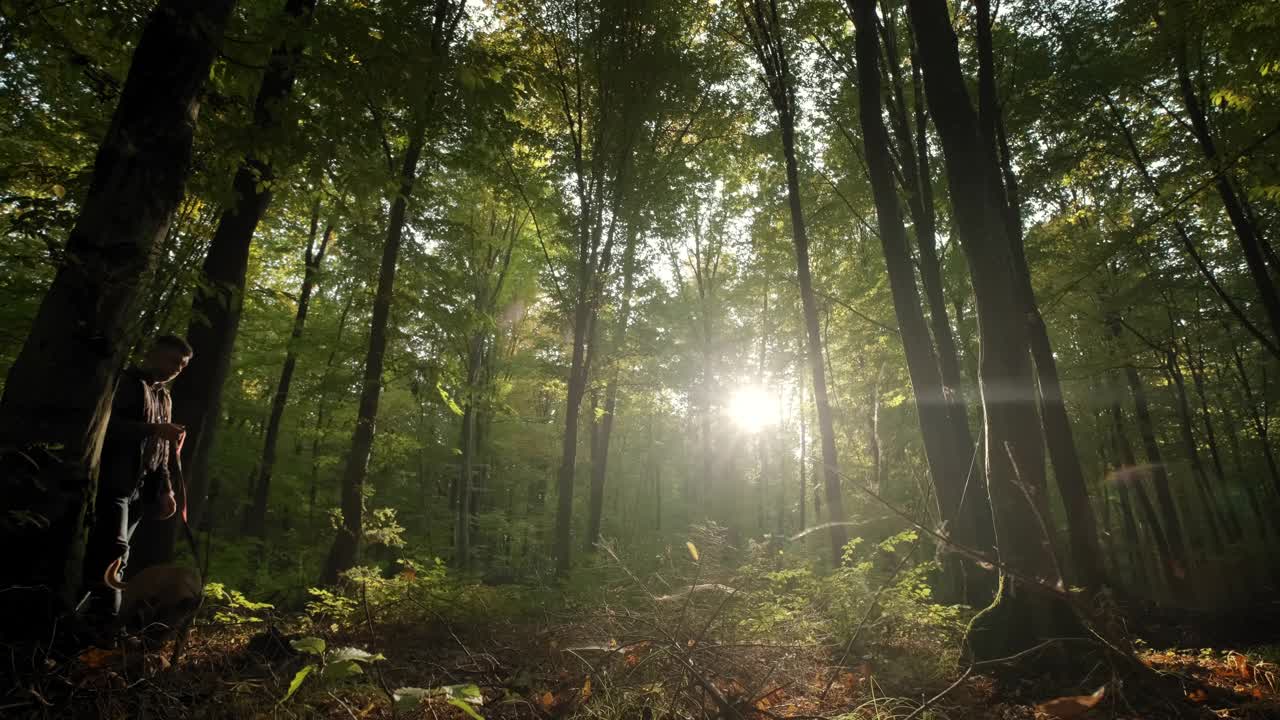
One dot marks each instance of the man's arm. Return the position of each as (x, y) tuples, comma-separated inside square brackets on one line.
[(128, 419), (158, 485)]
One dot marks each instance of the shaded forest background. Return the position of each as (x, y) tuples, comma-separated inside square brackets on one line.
[(495, 283)]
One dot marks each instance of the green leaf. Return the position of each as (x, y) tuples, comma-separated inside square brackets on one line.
[(408, 698), (342, 670), (355, 655), (469, 692), (312, 645), (444, 395), (461, 696), (465, 708), (297, 681)]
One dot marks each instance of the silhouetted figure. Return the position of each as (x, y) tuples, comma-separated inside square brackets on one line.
[(134, 478)]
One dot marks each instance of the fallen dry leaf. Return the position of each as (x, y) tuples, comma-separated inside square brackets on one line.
[(767, 700), (97, 658), (1065, 708), (1240, 664)]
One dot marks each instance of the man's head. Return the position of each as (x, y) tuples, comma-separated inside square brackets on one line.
[(167, 358)]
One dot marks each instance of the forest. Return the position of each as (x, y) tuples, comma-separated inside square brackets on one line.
[(640, 359)]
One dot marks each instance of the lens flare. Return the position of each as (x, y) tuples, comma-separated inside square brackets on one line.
[(752, 409)]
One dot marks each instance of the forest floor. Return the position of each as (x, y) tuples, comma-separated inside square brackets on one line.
[(600, 662), (716, 635)]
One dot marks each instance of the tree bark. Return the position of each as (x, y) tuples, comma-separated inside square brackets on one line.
[(946, 460), (918, 173), (826, 425), (1058, 436), (314, 256), (60, 387), (600, 460), (1159, 475), (465, 490), (804, 444), (1208, 504), (1113, 464), (569, 449), (1130, 477), (1013, 444), (342, 554)]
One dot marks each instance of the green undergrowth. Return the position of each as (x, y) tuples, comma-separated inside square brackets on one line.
[(598, 642)]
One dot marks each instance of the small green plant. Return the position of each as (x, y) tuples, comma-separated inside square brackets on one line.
[(329, 605), (459, 696), (231, 607), (329, 666)]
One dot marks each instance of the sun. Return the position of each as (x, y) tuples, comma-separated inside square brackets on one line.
[(752, 409)]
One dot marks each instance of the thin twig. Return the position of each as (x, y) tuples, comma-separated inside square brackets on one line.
[(368, 616)]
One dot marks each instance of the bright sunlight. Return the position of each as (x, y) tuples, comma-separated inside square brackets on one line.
[(752, 409)]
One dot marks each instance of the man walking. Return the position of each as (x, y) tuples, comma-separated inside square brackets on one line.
[(134, 477)]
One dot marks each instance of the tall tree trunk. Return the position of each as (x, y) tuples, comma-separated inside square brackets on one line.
[(1198, 375), (219, 296), (342, 555), (600, 463), (322, 411), (445, 16), (1196, 365), (947, 461), (1220, 520), (1251, 405), (466, 470), (1129, 480), (593, 263), (804, 444), (826, 424), (762, 443), (1058, 435), (1013, 444), (314, 257), (1159, 475), (873, 431), (918, 174), (577, 388), (1112, 466), (59, 390)]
